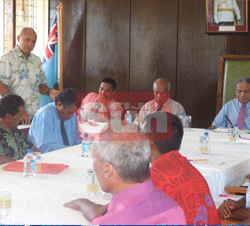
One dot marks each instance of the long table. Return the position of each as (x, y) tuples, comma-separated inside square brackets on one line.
[(228, 163), (40, 200)]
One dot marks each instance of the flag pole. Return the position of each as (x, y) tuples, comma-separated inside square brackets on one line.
[(60, 45)]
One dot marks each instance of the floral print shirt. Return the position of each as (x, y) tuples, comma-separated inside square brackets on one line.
[(13, 144), (23, 77)]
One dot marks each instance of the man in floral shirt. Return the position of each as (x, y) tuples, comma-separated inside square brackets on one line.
[(13, 144), (21, 73)]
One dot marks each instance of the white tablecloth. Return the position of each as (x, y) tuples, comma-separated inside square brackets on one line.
[(40, 200), (228, 163)]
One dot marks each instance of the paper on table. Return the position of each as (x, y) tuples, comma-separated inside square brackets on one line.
[(208, 162), (225, 130)]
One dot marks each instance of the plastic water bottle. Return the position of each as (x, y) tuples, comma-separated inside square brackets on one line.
[(29, 164), (85, 146), (205, 143), (234, 134), (129, 117), (81, 114), (183, 119)]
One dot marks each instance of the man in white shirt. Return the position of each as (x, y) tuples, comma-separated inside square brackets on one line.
[(224, 12), (162, 100)]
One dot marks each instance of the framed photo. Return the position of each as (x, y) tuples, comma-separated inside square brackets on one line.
[(227, 16)]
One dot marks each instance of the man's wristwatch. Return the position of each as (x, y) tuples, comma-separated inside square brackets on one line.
[(48, 91)]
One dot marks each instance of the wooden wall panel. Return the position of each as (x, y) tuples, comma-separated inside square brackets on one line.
[(74, 44), (239, 44), (198, 63), (107, 43), (153, 43)]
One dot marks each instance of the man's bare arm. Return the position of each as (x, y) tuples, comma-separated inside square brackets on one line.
[(90, 210), (4, 89)]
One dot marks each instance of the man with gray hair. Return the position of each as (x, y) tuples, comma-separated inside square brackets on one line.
[(238, 109), (162, 100), (121, 163)]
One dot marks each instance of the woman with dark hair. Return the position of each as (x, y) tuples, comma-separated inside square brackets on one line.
[(13, 144)]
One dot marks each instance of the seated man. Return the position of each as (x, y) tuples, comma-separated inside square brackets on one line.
[(237, 110), (162, 100), (13, 144), (108, 106), (53, 126), (173, 173), (122, 169)]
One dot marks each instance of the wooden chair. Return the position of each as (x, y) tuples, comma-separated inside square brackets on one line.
[(231, 68)]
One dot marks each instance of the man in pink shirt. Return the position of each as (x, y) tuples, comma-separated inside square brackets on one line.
[(162, 100), (104, 102), (122, 169)]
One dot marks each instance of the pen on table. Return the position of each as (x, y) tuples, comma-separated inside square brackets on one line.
[(197, 160), (229, 196), (229, 121)]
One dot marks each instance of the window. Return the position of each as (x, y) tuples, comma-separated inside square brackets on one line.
[(29, 13)]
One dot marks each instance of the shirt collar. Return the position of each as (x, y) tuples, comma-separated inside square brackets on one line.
[(129, 194), (19, 52), (240, 104)]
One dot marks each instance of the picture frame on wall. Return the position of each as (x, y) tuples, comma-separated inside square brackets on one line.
[(227, 16)]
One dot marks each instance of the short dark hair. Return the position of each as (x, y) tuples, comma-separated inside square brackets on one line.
[(10, 103), (67, 97), (165, 146), (242, 80), (111, 82)]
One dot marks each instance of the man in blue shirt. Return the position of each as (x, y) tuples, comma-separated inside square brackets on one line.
[(54, 126), (234, 108)]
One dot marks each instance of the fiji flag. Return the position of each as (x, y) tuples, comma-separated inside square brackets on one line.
[(50, 62)]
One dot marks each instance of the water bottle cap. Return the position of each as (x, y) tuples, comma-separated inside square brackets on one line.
[(206, 133), (30, 151), (33, 161), (181, 114), (235, 125), (82, 109), (86, 135)]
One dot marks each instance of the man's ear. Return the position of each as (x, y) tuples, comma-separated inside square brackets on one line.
[(59, 104), (18, 38), (8, 117), (109, 170)]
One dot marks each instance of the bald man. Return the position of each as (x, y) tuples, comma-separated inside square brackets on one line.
[(162, 100), (21, 73)]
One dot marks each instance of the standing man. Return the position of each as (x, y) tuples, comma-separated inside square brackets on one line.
[(21, 73), (162, 100), (54, 125), (238, 109)]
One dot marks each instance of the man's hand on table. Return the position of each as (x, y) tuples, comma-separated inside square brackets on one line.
[(229, 206), (90, 210)]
